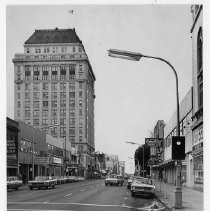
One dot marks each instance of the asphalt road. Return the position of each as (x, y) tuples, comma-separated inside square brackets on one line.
[(90, 195)]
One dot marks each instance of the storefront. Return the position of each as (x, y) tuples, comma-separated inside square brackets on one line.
[(12, 147), (197, 153)]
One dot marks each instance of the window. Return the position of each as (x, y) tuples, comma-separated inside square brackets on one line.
[(63, 94), (36, 113), (27, 87), (80, 148), (63, 86), (27, 73), (18, 95), (63, 72), (54, 120), (71, 71), (27, 95), (36, 95), (71, 85), (54, 94), (27, 104), (38, 50), (63, 121), (54, 86), (80, 49), (80, 130), (63, 103), (72, 103), (80, 84), (45, 103), (54, 73), (55, 49), (72, 130), (71, 94), (45, 73), (63, 130), (54, 113), (80, 121), (18, 87), (72, 112), (80, 103), (80, 112), (45, 95), (80, 93), (36, 73), (36, 104), (63, 49), (200, 67), (72, 139), (80, 67), (36, 122), (45, 121), (73, 49), (44, 112), (54, 103), (45, 86), (54, 131), (80, 75), (63, 112), (27, 121), (36, 86), (18, 104), (80, 138), (46, 50), (28, 51), (72, 121), (18, 113)]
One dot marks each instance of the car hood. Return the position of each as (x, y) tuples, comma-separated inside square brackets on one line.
[(142, 185), (111, 179)]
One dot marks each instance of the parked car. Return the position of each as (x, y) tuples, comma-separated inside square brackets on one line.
[(80, 179), (57, 179), (14, 183), (42, 181), (114, 180), (142, 187), (72, 179)]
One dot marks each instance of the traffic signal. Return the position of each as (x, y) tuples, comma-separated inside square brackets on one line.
[(178, 147)]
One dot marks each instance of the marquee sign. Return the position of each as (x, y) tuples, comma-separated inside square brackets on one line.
[(153, 142)]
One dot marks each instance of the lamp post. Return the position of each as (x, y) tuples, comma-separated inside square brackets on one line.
[(138, 164), (136, 57), (140, 145)]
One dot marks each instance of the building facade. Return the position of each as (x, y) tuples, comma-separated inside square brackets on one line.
[(54, 89), (197, 76)]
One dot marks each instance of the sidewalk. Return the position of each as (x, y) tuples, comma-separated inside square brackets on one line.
[(192, 200)]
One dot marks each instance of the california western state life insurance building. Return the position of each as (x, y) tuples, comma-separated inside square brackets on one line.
[(54, 85)]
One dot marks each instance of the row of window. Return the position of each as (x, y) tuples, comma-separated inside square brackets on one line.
[(54, 112), (54, 86), (55, 49), (45, 95), (36, 104)]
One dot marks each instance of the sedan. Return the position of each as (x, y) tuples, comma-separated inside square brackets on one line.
[(143, 188), (13, 183), (42, 181)]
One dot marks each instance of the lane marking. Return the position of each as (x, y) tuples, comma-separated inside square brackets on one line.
[(36, 210), (25, 195), (82, 190), (46, 202), (68, 194), (83, 204)]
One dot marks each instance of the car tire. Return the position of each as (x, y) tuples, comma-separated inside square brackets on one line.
[(31, 188), (121, 184), (53, 186), (132, 194), (105, 184)]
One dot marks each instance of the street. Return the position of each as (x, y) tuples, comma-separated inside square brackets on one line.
[(89, 195)]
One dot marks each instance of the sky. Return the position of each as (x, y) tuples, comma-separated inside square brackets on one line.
[(130, 96)]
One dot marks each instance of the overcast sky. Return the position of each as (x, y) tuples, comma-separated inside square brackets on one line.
[(130, 96)]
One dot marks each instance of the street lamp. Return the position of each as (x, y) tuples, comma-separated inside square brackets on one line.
[(136, 57), (140, 145), (138, 164)]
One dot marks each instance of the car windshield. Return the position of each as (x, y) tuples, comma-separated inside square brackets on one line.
[(142, 181), (41, 178)]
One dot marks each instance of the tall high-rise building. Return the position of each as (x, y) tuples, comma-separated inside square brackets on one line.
[(54, 89)]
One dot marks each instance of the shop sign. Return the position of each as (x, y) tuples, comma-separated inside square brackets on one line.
[(153, 142), (12, 148), (57, 160), (41, 160), (198, 135)]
